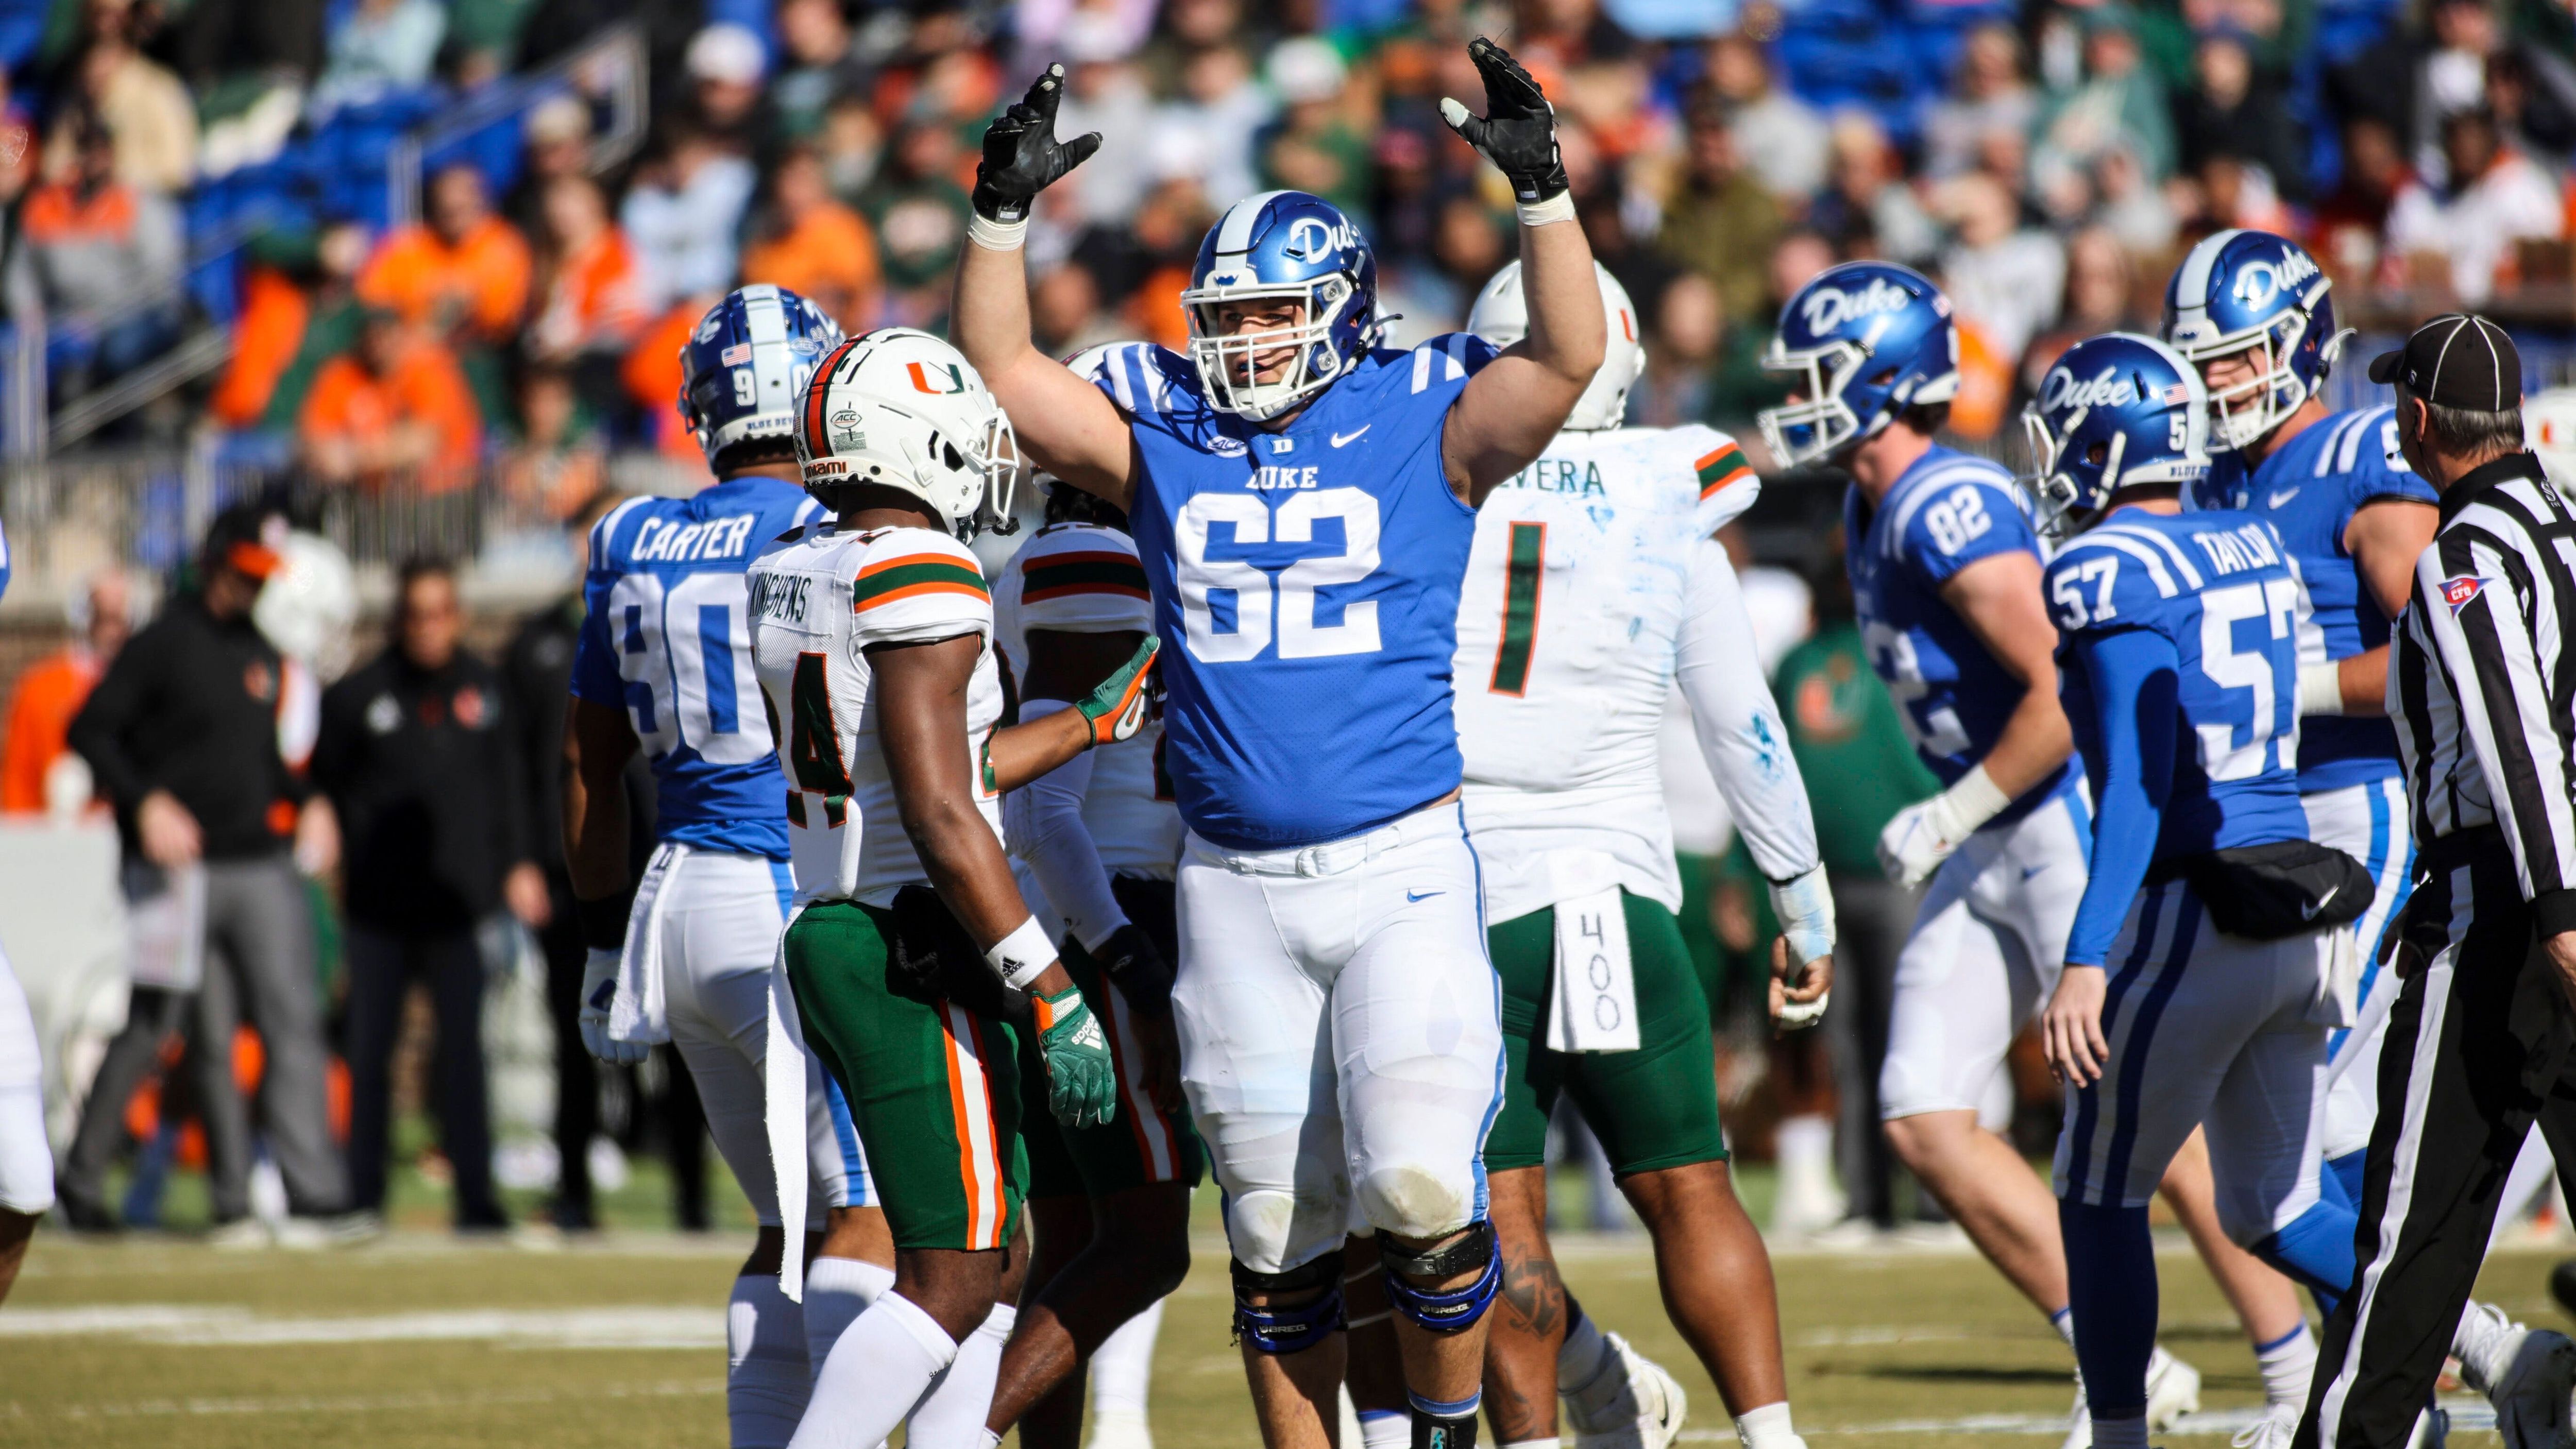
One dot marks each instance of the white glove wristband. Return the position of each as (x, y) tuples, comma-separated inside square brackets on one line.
[(1559, 207), (2320, 689), (1022, 956), (1959, 810), (1805, 906), (996, 236)]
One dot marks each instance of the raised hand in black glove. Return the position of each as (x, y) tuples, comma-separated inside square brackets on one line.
[(1518, 130), (1022, 157), (1140, 971)]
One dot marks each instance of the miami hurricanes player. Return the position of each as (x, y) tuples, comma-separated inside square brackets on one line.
[(1303, 502), (1597, 588), (663, 664), (1098, 841), (910, 953)]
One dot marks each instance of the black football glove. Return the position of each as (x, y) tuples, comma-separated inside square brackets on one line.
[(1141, 973), (1518, 130), (1021, 154)]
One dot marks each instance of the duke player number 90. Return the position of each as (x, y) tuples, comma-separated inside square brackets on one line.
[(686, 659), (1291, 604)]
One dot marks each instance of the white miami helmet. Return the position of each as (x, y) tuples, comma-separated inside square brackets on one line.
[(1501, 317), (2549, 426), (902, 409), (309, 606)]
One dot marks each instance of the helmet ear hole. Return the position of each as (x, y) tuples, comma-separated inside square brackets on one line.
[(2097, 455), (948, 454)]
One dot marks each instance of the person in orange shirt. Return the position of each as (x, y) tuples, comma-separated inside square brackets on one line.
[(653, 378), (809, 243), (52, 690), (398, 405), (465, 269), (592, 296)]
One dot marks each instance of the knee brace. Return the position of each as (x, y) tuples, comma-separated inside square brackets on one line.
[(1451, 1310), (1289, 1327)]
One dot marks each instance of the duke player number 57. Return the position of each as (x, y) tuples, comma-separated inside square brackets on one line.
[(1291, 604), (2274, 602)]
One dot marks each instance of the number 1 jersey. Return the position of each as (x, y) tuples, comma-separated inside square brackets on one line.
[(1305, 583), (665, 639)]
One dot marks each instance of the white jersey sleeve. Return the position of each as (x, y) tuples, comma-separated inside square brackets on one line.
[(1727, 485), (1718, 669)]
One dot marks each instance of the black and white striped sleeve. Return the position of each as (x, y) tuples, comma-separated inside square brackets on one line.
[(2494, 610)]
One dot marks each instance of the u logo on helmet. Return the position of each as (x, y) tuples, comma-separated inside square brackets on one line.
[(1828, 308), (925, 375)]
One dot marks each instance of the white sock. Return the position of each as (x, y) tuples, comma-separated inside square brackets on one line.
[(2287, 1366), (1550, 1442), (952, 1417), (1122, 1369), (2063, 1320), (2120, 1433), (1385, 1429), (837, 1291), (879, 1369), (1584, 1361), (765, 1374), (1767, 1428), (1806, 1152)]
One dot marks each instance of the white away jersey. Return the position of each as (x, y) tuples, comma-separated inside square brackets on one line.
[(1593, 589), (1081, 578), (819, 598)]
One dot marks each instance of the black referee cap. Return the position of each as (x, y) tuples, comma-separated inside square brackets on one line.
[(2456, 361)]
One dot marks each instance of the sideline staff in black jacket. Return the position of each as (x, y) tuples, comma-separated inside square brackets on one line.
[(432, 802)]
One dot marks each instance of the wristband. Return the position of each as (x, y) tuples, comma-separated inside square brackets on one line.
[(996, 236), (1805, 906), (1969, 804), (2321, 689), (1022, 956), (1559, 207), (603, 922)]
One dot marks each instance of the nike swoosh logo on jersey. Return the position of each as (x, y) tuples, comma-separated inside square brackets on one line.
[(1422, 895), (2309, 912), (2284, 496), (1341, 439)]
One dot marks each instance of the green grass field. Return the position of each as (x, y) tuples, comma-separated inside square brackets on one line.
[(420, 1340)]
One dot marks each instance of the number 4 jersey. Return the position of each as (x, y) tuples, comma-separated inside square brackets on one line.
[(820, 598), (1946, 512), (1306, 584), (666, 640)]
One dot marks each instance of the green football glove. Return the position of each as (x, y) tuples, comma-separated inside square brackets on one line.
[(1116, 709), (1082, 1082)]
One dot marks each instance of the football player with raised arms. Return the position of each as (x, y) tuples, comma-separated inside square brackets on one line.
[(1945, 574), (1098, 840), (663, 664), (1595, 589), (909, 953), (2253, 312), (1304, 504)]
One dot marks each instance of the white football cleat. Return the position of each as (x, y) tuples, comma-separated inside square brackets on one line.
[(1646, 1411), (2272, 1431)]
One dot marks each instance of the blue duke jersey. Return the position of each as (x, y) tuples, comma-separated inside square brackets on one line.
[(666, 639), (2308, 489), (2198, 615), (1946, 512), (1306, 585)]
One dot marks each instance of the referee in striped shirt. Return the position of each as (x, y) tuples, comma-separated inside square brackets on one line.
[(2481, 678)]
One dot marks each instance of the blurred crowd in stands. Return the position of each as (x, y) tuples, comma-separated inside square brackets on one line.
[(2045, 160)]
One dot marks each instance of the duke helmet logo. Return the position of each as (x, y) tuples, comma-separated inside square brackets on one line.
[(2257, 283), (939, 379), (1830, 307), (2460, 591), (1310, 237)]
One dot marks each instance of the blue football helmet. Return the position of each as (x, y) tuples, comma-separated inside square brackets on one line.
[(2116, 411), (2251, 291), (1281, 246), (1865, 341), (743, 370)]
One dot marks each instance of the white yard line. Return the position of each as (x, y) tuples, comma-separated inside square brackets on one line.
[(381, 1403), (224, 1326), (2468, 1415)]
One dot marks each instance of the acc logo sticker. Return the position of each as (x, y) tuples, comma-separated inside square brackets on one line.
[(845, 428), (2458, 592)]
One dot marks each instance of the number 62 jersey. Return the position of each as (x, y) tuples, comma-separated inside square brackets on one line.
[(1307, 582)]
